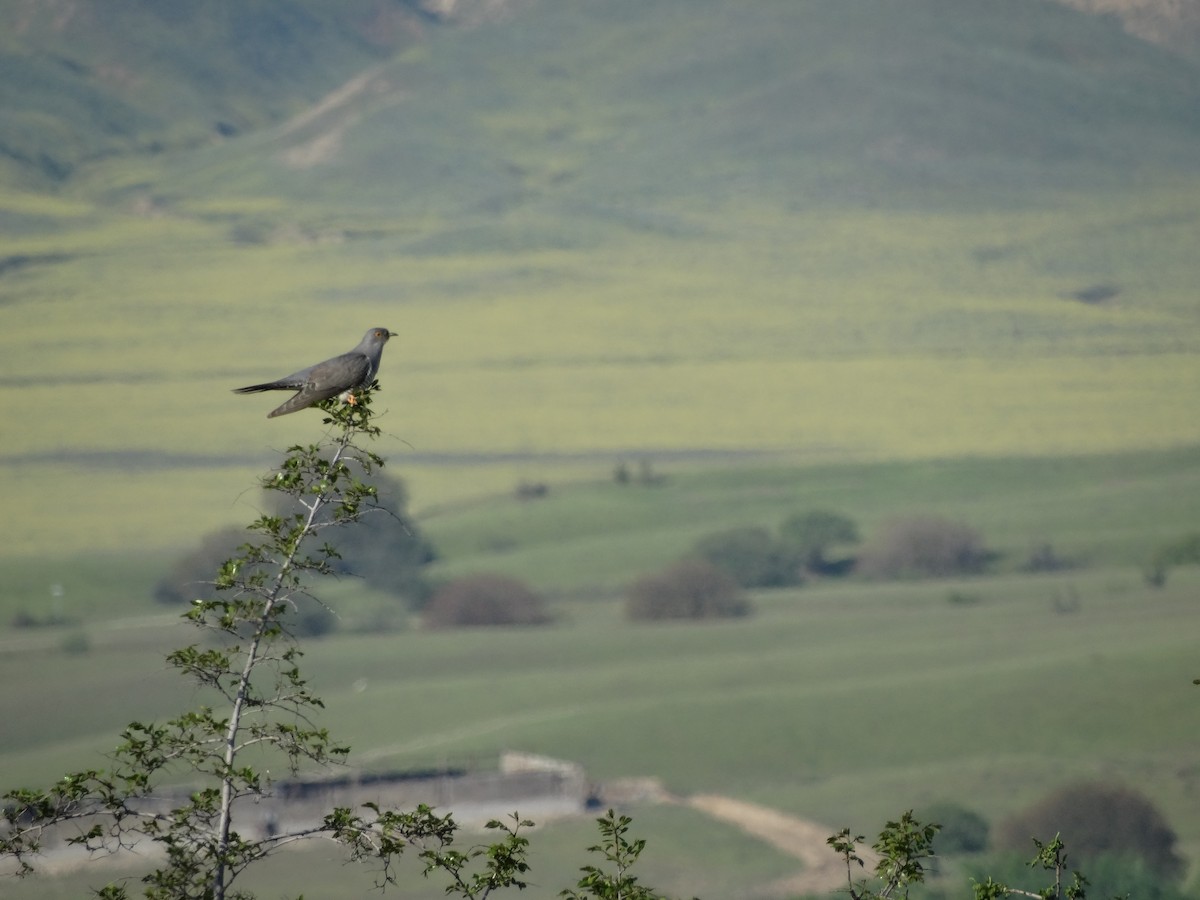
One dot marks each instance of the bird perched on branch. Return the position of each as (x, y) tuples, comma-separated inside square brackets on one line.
[(343, 374)]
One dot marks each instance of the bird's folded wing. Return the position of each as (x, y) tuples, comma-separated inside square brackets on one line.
[(342, 373)]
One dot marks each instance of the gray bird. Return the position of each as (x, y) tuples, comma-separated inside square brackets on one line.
[(340, 375)]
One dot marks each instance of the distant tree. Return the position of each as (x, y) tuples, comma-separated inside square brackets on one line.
[(752, 556), (815, 534), (924, 546), (1179, 552), (191, 575), (1097, 819), (689, 589), (389, 556), (485, 600), (1108, 876), (962, 830)]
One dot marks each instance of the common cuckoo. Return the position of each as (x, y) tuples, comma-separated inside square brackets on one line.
[(341, 375)]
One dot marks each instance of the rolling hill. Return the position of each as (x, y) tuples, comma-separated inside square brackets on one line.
[(574, 100), (85, 80), (576, 109)]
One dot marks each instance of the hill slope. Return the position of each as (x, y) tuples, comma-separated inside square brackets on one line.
[(585, 105), (577, 100), (81, 80)]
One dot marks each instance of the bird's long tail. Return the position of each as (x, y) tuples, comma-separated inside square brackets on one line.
[(269, 386)]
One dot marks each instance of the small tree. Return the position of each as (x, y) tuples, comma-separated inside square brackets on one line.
[(752, 556), (902, 848), (485, 600), (616, 882), (906, 845), (251, 698), (1098, 819), (1051, 857), (815, 534), (689, 589), (924, 546), (961, 830)]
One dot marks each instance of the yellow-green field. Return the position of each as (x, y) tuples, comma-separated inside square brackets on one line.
[(795, 335)]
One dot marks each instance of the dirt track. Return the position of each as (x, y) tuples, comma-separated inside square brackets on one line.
[(801, 838)]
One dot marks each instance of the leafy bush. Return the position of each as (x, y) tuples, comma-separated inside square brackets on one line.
[(924, 546), (752, 556), (485, 600), (689, 589), (1098, 819), (962, 830), (1108, 875), (813, 535)]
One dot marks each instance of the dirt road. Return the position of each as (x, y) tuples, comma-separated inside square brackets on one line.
[(801, 838)]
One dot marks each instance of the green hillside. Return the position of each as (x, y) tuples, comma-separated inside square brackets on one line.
[(631, 113), (88, 80)]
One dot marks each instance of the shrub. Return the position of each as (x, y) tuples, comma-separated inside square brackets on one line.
[(1108, 876), (484, 600), (1096, 819), (963, 830), (924, 546), (751, 556), (813, 535), (191, 575), (689, 589)]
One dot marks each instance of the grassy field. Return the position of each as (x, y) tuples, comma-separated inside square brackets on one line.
[(1092, 510), (697, 856), (845, 703), (553, 366)]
